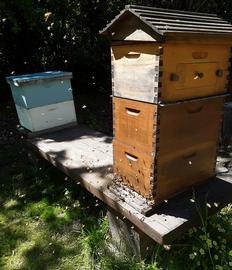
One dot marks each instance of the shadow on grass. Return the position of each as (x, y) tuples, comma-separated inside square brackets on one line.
[(45, 256), (42, 213), (10, 237)]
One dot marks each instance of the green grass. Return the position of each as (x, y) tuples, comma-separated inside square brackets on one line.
[(47, 221)]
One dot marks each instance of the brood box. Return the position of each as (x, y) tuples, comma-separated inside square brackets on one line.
[(170, 72), (43, 100), (175, 151)]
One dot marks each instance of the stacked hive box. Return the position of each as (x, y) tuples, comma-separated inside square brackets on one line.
[(43, 100), (170, 73)]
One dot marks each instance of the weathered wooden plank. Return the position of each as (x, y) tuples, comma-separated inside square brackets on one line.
[(180, 24), (176, 13), (86, 156), (204, 200), (132, 198), (183, 29), (145, 14), (136, 71), (154, 18), (139, 7)]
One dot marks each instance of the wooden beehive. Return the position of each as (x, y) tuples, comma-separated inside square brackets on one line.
[(162, 149), (170, 72)]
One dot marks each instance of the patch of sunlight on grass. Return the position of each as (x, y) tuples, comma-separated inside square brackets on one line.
[(17, 261), (12, 203), (53, 214), (2, 219), (43, 249), (34, 209)]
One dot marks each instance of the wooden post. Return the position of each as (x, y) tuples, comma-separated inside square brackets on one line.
[(128, 239)]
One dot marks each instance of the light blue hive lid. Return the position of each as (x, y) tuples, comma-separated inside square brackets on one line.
[(41, 77)]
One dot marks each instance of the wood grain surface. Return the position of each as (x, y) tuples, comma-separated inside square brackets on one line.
[(134, 167), (135, 123), (136, 71), (187, 61)]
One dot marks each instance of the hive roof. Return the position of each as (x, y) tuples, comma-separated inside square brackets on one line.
[(164, 21)]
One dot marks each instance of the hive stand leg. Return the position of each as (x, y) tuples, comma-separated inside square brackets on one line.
[(127, 239)]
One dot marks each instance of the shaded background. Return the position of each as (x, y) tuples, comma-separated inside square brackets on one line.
[(40, 35)]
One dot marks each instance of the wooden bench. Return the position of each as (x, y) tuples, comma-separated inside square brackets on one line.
[(86, 156)]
